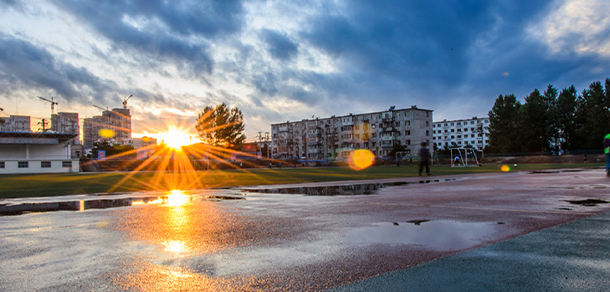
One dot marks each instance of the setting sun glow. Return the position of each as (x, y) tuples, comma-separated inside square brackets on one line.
[(177, 198), (175, 137)]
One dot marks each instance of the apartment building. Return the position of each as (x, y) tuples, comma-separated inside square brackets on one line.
[(336, 136), (15, 123), (66, 123), (117, 120), (460, 133)]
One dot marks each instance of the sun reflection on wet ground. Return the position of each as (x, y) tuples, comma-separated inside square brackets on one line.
[(273, 240)]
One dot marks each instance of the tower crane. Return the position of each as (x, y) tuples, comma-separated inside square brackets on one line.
[(53, 103), (96, 106), (125, 101)]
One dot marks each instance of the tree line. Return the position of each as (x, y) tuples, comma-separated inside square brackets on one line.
[(551, 121)]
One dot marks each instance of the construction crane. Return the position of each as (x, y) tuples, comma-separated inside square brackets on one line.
[(96, 106), (53, 103), (125, 101)]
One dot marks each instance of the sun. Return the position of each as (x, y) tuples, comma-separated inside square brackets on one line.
[(175, 137)]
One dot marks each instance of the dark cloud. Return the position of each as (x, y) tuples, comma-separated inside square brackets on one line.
[(34, 67), (165, 29), (279, 45), (421, 50)]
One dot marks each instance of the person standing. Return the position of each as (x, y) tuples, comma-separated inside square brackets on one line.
[(456, 160), (424, 159)]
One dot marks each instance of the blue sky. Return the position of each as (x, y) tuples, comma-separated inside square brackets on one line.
[(289, 60)]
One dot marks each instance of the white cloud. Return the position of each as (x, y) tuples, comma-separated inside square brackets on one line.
[(576, 26)]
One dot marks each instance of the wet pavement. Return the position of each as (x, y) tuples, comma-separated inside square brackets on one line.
[(313, 236)]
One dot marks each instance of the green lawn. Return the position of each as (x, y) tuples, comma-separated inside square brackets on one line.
[(40, 185)]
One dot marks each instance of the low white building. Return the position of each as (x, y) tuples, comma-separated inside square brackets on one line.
[(36, 152), (460, 133)]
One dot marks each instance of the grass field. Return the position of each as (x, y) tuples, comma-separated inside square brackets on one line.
[(40, 185)]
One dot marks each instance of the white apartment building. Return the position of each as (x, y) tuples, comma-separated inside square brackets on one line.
[(336, 136), (460, 133), (118, 120)]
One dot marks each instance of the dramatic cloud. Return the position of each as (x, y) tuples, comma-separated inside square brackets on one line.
[(280, 46), (284, 60), (26, 65)]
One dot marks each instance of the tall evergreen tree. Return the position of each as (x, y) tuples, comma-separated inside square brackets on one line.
[(504, 125), (534, 123), (563, 118), (593, 113)]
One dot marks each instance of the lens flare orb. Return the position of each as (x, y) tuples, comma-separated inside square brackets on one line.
[(361, 159), (106, 133)]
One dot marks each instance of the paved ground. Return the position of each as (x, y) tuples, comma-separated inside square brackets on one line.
[(453, 233)]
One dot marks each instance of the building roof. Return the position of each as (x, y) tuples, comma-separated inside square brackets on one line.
[(34, 137), (358, 114)]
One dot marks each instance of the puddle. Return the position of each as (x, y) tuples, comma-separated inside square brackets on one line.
[(438, 234), (82, 205), (342, 190), (588, 202), (556, 171)]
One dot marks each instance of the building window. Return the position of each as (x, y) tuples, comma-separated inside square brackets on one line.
[(397, 124), (66, 164), (408, 142), (1, 164), (22, 164), (427, 133), (357, 127), (407, 133), (45, 164), (357, 136), (407, 123), (427, 124)]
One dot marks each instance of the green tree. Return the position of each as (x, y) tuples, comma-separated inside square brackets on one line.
[(221, 126), (112, 150), (562, 116), (504, 125), (535, 122), (593, 116)]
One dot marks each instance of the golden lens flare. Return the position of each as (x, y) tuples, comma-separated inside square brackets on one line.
[(106, 133), (175, 137), (505, 168), (361, 159)]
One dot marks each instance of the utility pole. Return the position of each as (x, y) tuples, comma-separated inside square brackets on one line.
[(267, 143)]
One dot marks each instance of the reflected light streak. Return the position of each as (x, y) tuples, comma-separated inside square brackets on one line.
[(175, 247), (177, 198), (141, 202)]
